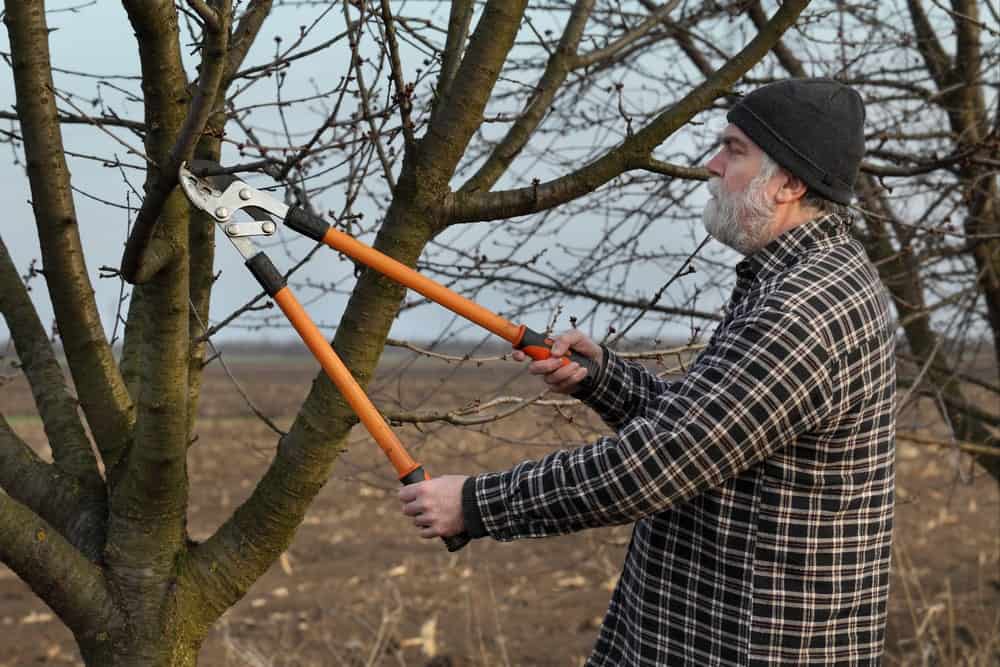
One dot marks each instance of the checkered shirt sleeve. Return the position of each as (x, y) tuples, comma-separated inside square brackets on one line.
[(751, 393)]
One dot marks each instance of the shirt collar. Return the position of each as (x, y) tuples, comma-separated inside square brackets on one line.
[(786, 250)]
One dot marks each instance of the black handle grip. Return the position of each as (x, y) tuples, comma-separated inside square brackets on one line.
[(455, 542), (301, 221), (537, 346)]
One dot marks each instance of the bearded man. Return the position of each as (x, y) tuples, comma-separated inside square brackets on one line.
[(760, 483)]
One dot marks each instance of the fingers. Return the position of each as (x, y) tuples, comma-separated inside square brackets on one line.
[(410, 492), (435, 506), (564, 341), (546, 366), (565, 379), (578, 341), (562, 376)]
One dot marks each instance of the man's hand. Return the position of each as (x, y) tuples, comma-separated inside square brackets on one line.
[(565, 379), (435, 505)]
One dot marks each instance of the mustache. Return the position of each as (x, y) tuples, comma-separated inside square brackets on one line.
[(715, 186)]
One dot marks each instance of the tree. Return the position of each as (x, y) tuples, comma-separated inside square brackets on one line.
[(99, 534)]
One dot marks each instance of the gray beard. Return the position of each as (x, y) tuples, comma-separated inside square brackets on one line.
[(739, 220)]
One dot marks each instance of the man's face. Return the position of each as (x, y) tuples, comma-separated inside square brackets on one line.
[(741, 211)]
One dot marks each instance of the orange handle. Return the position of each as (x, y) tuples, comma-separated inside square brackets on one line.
[(421, 284), (348, 386)]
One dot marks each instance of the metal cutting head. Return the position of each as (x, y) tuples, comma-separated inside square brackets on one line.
[(222, 195)]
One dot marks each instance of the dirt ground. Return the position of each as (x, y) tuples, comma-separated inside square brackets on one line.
[(357, 587)]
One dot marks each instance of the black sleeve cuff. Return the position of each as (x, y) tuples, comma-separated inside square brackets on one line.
[(589, 384), (470, 510)]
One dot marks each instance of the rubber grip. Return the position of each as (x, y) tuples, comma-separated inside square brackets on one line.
[(267, 275), (537, 346), (304, 223), (453, 543)]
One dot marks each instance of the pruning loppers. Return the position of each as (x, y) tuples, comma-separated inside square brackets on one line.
[(221, 195)]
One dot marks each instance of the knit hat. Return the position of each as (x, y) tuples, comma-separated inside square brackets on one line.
[(814, 128)]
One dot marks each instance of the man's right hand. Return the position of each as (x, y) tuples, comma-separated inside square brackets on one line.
[(565, 379)]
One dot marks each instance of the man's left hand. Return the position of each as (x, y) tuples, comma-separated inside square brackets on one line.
[(435, 505)]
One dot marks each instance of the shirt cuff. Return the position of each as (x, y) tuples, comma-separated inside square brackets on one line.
[(473, 518), (591, 384)]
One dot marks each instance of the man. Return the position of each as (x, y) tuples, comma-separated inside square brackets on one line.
[(761, 483)]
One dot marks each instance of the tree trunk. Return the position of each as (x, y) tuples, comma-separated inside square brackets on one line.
[(163, 650)]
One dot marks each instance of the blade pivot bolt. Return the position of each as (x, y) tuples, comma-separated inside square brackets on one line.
[(268, 227), (245, 194), (222, 213)]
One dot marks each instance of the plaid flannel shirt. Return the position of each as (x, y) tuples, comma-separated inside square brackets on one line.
[(761, 482)]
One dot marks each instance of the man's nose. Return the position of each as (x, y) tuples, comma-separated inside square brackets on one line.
[(715, 165)]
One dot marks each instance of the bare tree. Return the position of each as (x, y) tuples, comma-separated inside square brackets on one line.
[(100, 533)]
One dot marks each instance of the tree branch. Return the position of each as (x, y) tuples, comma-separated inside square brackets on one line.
[(211, 72), (76, 511), (244, 36), (784, 55), (99, 121), (213, 21), (460, 112), (403, 95), (573, 290), (100, 387), (655, 166), (60, 575), (470, 207), (70, 446), (556, 70), (656, 17), (929, 46), (458, 31), (146, 526), (357, 63)]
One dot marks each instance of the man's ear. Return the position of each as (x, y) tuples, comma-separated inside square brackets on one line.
[(792, 190)]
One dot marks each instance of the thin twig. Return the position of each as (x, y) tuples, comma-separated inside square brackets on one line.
[(216, 354), (100, 126), (686, 268), (404, 93)]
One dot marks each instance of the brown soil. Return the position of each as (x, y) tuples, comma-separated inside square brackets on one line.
[(357, 587)]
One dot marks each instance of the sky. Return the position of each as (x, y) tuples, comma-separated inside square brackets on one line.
[(98, 38)]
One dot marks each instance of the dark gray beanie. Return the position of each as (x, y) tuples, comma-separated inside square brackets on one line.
[(814, 128)]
